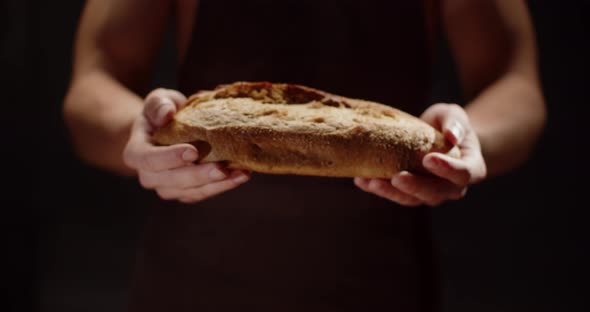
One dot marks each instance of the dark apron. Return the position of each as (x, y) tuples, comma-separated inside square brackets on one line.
[(286, 243)]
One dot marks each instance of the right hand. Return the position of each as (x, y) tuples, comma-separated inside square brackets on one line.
[(171, 170)]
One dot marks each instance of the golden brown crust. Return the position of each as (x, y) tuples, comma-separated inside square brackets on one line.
[(291, 129)]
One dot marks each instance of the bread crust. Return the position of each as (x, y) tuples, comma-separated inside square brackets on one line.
[(292, 129)]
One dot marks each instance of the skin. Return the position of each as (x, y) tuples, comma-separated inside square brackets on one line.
[(111, 113)]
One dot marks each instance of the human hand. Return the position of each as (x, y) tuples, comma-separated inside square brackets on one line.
[(170, 170), (451, 176)]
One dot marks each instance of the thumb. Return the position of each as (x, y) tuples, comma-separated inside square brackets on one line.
[(161, 105), (450, 119)]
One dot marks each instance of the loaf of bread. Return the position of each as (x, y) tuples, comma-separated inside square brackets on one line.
[(292, 129)]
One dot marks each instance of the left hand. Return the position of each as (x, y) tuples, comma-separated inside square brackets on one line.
[(451, 176)]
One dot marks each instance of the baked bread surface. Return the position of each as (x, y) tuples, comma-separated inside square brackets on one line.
[(292, 129)]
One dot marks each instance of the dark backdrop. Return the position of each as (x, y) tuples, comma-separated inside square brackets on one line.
[(516, 243)]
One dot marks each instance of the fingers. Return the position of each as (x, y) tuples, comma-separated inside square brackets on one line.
[(161, 104), (141, 154), (184, 177), (469, 169), (430, 190), (451, 175), (453, 121), (159, 158), (447, 168), (450, 119), (384, 189), (170, 170), (190, 195)]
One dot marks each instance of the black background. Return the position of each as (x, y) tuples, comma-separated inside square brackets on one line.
[(516, 243)]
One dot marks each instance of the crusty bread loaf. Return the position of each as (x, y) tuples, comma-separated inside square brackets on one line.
[(291, 129)]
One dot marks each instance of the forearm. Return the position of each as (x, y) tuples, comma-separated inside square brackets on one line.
[(508, 117), (99, 112)]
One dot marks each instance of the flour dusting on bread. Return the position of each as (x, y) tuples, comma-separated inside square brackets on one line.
[(292, 129)]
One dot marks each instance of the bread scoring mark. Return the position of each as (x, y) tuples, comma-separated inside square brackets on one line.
[(389, 113), (269, 112), (307, 118), (315, 105), (280, 94)]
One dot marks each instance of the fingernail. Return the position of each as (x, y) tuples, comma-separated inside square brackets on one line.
[(189, 155), (403, 174), (457, 131), (217, 174), (398, 177), (373, 184), (241, 178)]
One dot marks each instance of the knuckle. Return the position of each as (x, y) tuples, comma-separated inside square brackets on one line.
[(433, 200), (164, 194), (230, 185), (358, 183), (177, 94), (147, 163), (197, 176), (375, 185), (363, 188), (455, 107), (411, 188), (222, 187), (405, 201), (482, 173), (458, 194), (187, 200), (129, 157), (433, 203), (381, 188), (440, 107), (455, 110), (190, 179), (152, 101), (477, 176), (158, 92), (412, 203), (397, 200), (199, 194), (145, 181)]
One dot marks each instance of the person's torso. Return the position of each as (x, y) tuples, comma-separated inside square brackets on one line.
[(286, 243), (376, 50)]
